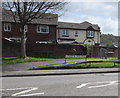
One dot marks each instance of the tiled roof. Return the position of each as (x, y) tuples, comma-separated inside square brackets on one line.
[(50, 19), (83, 26)]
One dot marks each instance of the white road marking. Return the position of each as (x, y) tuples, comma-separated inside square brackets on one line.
[(22, 93), (32, 94), (82, 85), (108, 84), (25, 91), (98, 84), (102, 82)]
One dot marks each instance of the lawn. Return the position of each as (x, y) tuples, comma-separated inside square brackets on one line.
[(14, 60), (78, 66), (97, 65)]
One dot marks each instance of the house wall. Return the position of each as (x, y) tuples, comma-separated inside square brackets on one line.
[(97, 37), (82, 37), (32, 35), (15, 31)]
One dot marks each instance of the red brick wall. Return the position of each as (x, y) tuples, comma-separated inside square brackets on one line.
[(43, 50), (96, 50), (116, 52)]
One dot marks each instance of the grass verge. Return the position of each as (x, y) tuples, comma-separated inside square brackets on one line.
[(77, 66), (14, 60)]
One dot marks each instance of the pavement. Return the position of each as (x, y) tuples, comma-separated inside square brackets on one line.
[(58, 72), (21, 69)]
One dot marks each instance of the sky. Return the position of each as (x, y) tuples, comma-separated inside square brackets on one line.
[(105, 14)]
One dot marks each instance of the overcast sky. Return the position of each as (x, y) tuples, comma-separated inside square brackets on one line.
[(105, 14)]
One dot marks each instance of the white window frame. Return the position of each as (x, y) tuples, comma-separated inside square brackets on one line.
[(76, 34), (65, 33), (7, 27), (42, 42), (39, 29), (25, 28), (90, 33)]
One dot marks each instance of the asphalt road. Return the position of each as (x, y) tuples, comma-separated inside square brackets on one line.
[(65, 85)]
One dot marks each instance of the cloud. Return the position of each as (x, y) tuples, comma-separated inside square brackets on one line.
[(104, 14)]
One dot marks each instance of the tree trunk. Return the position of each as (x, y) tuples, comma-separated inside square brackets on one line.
[(23, 43)]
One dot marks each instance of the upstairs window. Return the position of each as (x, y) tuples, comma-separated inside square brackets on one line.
[(76, 34), (65, 33), (90, 33), (42, 29), (7, 27), (25, 28)]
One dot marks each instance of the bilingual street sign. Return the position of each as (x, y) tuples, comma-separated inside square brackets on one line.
[(75, 56)]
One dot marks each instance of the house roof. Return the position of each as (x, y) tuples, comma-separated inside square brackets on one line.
[(82, 26), (49, 19)]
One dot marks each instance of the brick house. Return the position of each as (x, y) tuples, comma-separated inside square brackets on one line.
[(38, 31), (84, 32)]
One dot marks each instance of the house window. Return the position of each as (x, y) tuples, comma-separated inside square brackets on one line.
[(42, 29), (65, 33), (76, 34), (25, 28), (90, 33), (7, 27)]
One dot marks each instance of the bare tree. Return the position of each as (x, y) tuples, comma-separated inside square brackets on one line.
[(26, 11)]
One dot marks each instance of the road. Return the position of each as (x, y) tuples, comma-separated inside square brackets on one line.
[(64, 85)]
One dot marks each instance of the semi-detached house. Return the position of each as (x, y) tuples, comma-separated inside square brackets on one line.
[(84, 32), (49, 30)]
